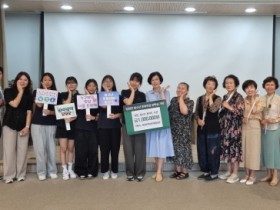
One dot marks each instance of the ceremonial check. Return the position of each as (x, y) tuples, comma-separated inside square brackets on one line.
[(46, 96), (65, 111), (142, 117)]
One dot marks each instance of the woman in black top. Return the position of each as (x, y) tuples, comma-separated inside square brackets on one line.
[(208, 130), (43, 133), (66, 137), (16, 126), (109, 132), (86, 146), (134, 146)]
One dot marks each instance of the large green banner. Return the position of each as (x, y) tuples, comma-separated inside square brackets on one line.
[(142, 117)]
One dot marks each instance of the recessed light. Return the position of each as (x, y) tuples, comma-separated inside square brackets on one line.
[(5, 6), (129, 8), (66, 7), (190, 9), (250, 10)]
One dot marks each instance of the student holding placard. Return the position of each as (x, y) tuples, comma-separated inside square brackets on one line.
[(43, 129), (109, 126), (230, 117), (66, 137), (16, 124), (251, 132), (270, 139), (86, 145), (159, 142), (134, 146)]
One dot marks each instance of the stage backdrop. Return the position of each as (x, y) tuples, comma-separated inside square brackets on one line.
[(182, 47)]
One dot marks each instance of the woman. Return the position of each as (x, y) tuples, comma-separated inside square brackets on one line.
[(158, 142), (16, 126), (66, 137), (43, 133), (180, 112), (109, 132), (208, 130), (231, 114), (86, 146), (134, 146), (251, 132), (270, 150)]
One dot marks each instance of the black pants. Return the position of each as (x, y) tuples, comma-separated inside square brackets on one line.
[(86, 152), (110, 139)]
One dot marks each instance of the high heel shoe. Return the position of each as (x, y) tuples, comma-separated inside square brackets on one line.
[(159, 177)]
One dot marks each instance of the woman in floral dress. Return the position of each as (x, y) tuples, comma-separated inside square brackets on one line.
[(231, 114), (181, 111)]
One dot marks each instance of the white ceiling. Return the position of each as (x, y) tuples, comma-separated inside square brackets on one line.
[(218, 7)]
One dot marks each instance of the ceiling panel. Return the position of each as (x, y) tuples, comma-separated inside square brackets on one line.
[(218, 7)]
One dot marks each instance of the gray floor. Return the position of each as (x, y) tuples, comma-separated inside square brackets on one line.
[(121, 194)]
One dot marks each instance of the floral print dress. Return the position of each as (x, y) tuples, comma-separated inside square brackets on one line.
[(181, 133), (231, 126)]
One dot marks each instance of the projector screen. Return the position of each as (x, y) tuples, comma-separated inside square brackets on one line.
[(183, 48)]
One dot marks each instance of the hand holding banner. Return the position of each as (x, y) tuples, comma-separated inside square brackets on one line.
[(65, 111)]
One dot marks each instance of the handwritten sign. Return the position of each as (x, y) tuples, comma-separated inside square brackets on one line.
[(109, 98), (65, 111), (87, 101), (46, 96), (142, 117)]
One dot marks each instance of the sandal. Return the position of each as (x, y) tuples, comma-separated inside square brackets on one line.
[(175, 175), (182, 175)]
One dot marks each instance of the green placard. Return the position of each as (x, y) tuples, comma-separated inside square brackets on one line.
[(143, 117)]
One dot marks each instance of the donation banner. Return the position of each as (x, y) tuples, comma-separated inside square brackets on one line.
[(109, 98), (143, 117), (46, 96), (87, 101)]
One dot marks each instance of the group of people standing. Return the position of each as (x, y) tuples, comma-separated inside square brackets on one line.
[(241, 131), (231, 128)]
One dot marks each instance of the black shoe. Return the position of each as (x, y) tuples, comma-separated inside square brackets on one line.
[(203, 176), (182, 176), (210, 178), (174, 175), (1, 177), (130, 178), (140, 178)]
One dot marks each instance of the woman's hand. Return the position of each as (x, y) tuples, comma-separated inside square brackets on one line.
[(200, 122), (19, 87), (47, 112), (24, 132), (86, 92), (162, 90)]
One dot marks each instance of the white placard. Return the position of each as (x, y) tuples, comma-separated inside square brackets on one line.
[(146, 119)]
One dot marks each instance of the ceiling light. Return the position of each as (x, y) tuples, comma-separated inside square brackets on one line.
[(250, 10), (5, 6), (128, 8), (190, 9), (66, 7)]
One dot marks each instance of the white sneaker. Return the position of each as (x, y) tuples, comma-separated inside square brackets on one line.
[(114, 175), (9, 181), (42, 177), (224, 176), (72, 174), (20, 179), (65, 174), (53, 176), (106, 175)]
